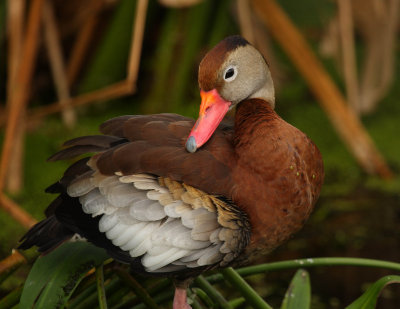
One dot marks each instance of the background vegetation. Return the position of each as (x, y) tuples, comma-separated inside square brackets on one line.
[(357, 214)]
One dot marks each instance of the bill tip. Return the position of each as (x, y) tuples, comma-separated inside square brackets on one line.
[(191, 144)]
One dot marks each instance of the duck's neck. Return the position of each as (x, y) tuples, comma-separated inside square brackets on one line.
[(255, 121)]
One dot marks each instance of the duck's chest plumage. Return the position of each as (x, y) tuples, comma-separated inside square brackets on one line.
[(278, 175)]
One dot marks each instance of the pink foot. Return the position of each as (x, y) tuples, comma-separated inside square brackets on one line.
[(180, 299)]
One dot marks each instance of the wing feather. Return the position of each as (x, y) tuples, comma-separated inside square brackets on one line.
[(138, 192), (186, 232)]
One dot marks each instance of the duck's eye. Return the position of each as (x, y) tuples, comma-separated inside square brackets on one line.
[(230, 73)]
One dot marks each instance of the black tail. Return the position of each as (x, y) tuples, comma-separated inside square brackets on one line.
[(47, 235), (65, 216)]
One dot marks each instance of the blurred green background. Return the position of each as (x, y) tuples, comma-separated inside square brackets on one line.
[(357, 214)]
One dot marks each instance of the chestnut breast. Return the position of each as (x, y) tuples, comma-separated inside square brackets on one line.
[(278, 174)]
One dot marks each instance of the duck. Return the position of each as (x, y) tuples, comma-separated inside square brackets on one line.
[(175, 197)]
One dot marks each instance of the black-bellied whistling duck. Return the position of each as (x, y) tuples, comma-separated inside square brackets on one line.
[(173, 201)]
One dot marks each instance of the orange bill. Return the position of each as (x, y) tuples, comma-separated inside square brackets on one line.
[(213, 109)]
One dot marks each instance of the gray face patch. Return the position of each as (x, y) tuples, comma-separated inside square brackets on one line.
[(251, 77)]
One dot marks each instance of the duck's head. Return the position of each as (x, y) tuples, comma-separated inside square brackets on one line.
[(231, 72)]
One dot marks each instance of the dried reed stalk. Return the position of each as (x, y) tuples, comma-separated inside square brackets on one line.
[(82, 42), (20, 215), (15, 172), (125, 87), (18, 104), (252, 28), (137, 41), (11, 262), (114, 91), (342, 117), (379, 29), (15, 28), (389, 41), (53, 45), (245, 20), (19, 96), (346, 31)]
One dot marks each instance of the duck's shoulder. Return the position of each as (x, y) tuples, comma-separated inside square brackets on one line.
[(156, 144)]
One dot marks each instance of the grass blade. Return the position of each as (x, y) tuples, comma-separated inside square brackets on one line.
[(11, 299), (298, 295), (100, 287), (310, 262), (202, 296), (89, 296), (137, 288), (212, 292), (54, 277), (237, 302), (247, 291), (369, 298)]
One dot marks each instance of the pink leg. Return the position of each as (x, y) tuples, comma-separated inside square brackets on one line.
[(180, 299)]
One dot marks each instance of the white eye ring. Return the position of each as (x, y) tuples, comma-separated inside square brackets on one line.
[(230, 73)]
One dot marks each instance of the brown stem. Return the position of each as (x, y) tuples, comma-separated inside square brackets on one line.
[(15, 24), (82, 42), (387, 59), (116, 90), (346, 31), (53, 45), (16, 211), (245, 20), (137, 41), (10, 263), (107, 93), (15, 28), (19, 96)]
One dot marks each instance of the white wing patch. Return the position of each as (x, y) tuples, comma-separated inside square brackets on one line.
[(169, 224)]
